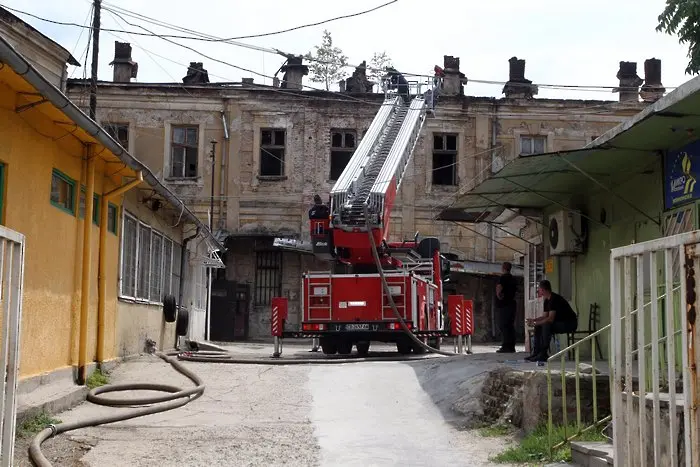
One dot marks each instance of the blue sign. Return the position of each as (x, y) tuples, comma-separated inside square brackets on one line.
[(681, 172)]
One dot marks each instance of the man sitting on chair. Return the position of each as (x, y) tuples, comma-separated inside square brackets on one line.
[(558, 318)]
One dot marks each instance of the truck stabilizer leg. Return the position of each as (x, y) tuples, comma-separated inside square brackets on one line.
[(278, 347)]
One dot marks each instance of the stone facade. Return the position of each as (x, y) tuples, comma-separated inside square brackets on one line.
[(282, 145)]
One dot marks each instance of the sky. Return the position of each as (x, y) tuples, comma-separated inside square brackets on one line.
[(563, 42)]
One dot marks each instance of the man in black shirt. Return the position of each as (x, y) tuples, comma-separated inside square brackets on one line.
[(505, 303), (319, 210), (558, 318)]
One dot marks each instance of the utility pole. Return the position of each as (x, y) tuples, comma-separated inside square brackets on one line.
[(97, 5)]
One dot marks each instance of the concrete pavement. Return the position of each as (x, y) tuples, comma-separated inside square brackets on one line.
[(370, 414)]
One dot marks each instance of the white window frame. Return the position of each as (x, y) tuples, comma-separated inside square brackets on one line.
[(166, 243), (532, 139)]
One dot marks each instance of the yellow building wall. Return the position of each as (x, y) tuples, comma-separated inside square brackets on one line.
[(53, 258)]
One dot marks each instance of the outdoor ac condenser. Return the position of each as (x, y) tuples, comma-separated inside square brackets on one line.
[(565, 233)]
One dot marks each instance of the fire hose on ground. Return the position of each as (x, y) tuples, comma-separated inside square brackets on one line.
[(174, 398)]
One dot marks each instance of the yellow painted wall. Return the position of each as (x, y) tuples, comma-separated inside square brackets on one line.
[(30, 150)]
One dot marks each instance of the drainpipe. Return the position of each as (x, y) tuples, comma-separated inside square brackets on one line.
[(222, 175), (492, 245), (87, 263), (102, 265), (183, 259)]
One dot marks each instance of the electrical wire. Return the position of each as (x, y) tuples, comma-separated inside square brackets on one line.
[(168, 38), (295, 28)]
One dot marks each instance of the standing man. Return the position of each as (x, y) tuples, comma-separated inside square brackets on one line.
[(558, 318), (505, 303)]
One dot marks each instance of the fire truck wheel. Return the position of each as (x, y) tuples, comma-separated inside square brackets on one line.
[(328, 347), (362, 348), (344, 348), (434, 342), (418, 350), (403, 347)]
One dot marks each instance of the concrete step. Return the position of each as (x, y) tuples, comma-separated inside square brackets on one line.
[(592, 453)]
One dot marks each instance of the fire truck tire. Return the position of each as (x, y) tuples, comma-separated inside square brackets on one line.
[(328, 347), (344, 348), (362, 348), (418, 350), (434, 342), (403, 347)]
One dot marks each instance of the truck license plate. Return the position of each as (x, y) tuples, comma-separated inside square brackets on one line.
[(357, 327)]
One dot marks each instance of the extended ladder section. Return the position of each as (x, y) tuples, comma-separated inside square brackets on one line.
[(374, 173)]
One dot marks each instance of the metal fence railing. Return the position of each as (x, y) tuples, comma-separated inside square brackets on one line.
[(654, 352), (12, 282)]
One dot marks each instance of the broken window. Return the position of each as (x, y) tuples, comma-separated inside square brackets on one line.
[(119, 132), (184, 151), (343, 144), (532, 145), (444, 159), (272, 150)]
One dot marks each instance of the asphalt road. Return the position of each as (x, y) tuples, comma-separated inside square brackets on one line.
[(368, 414)]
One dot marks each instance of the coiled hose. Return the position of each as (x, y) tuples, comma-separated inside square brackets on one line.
[(175, 397)]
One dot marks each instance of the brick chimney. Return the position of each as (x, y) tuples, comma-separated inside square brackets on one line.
[(248, 81), (629, 82), (652, 89), (517, 86), (294, 71), (124, 68), (196, 74), (454, 81)]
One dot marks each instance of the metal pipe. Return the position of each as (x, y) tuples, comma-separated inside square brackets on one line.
[(102, 265), (222, 175), (87, 263), (183, 258)]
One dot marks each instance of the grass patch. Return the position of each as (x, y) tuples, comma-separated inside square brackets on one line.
[(534, 448), (495, 431), (97, 378), (34, 425)]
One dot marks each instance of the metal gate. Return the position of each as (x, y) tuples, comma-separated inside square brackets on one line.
[(655, 347), (12, 277)]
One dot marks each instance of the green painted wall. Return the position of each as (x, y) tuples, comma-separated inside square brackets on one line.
[(591, 270)]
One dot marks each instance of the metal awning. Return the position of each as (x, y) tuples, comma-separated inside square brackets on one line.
[(631, 148)]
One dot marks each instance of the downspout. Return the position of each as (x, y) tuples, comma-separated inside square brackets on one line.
[(183, 259), (102, 265), (492, 245), (87, 263), (222, 175)]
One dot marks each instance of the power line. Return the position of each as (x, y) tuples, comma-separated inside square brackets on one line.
[(295, 28), (202, 36)]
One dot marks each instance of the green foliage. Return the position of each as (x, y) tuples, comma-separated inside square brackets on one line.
[(496, 431), (34, 425), (682, 18), (96, 379), (327, 64), (533, 448), (378, 63)]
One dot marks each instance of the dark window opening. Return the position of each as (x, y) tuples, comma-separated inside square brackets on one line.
[(445, 153), (272, 152), (343, 144), (119, 132), (184, 150), (268, 276)]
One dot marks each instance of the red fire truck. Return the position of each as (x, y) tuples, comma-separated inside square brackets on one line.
[(346, 305)]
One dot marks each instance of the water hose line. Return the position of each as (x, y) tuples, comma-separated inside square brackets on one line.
[(387, 291), (175, 397)]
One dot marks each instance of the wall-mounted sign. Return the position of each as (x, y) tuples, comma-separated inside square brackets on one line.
[(549, 266), (681, 172)]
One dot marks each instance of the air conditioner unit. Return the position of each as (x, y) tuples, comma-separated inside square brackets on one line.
[(566, 235)]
